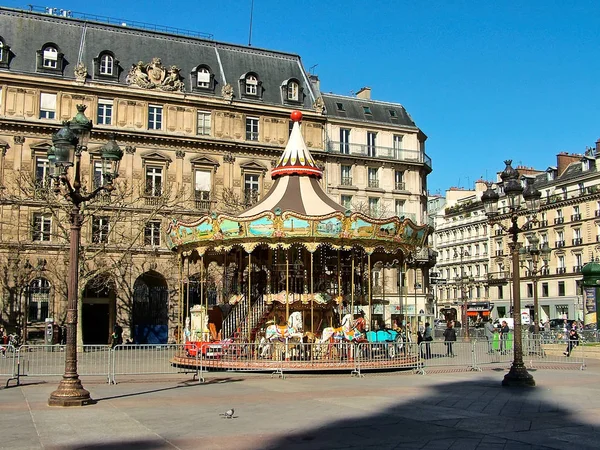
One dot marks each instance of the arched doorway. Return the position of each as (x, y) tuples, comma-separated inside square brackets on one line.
[(150, 309), (98, 311)]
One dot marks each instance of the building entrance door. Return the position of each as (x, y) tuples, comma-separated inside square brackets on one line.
[(95, 323)]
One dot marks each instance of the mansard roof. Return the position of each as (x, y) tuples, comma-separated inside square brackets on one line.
[(26, 32)]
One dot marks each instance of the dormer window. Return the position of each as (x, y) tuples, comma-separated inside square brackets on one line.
[(4, 54), (367, 110), (292, 92), (550, 174), (585, 164), (203, 79), (250, 85), (50, 59), (340, 106), (106, 66)]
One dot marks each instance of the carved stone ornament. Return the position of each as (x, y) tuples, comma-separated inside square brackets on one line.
[(180, 154), (19, 140), (155, 76), (80, 72), (319, 105), (130, 149), (227, 92), (228, 158)]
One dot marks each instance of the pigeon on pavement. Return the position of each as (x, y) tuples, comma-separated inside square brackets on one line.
[(228, 414)]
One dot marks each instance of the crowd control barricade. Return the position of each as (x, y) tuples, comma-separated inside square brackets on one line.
[(146, 359), (8, 362), (378, 356), (448, 354), (539, 351), (49, 360)]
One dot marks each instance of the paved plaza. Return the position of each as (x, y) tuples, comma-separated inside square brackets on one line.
[(443, 410)]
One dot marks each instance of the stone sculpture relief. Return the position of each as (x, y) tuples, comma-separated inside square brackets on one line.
[(80, 72), (155, 76)]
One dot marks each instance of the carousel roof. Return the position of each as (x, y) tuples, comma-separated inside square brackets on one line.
[(296, 210), (296, 186)]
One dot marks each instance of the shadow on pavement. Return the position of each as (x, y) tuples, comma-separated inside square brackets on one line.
[(130, 445)]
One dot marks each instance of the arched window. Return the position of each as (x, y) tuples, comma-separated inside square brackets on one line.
[(1, 50), (203, 78), (251, 85), (50, 57), (106, 64), (293, 90)]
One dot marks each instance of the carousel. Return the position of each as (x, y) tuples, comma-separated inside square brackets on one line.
[(294, 267)]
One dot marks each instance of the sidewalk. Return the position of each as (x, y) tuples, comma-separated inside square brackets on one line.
[(457, 410)]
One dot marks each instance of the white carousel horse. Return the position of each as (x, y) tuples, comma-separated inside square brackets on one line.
[(293, 329), (348, 331)]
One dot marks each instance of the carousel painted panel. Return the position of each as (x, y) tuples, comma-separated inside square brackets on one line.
[(295, 226), (261, 227), (203, 231), (232, 229), (331, 227), (362, 229), (387, 230)]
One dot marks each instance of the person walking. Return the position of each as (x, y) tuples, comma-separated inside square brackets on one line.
[(427, 338), (504, 330), (450, 338), (489, 330), (573, 340)]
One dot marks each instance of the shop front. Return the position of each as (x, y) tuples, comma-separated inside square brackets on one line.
[(478, 312)]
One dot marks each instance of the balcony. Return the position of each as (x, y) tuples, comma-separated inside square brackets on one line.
[(597, 213), (495, 278), (400, 186), (577, 269), (560, 270), (499, 252), (498, 232), (597, 238), (575, 217), (347, 181), (251, 136), (559, 244), (558, 220), (545, 271), (577, 241), (543, 223), (373, 183), (363, 150), (202, 200)]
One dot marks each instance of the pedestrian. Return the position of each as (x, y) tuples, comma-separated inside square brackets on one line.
[(573, 341), (504, 331), (489, 330), (117, 336), (450, 338), (427, 338)]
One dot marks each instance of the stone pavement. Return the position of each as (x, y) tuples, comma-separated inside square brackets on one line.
[(444, 410)]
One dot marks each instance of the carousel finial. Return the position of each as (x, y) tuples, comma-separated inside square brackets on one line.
[(296, 116)]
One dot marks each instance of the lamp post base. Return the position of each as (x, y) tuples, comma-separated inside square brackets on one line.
[(70, 392), (518, 376)]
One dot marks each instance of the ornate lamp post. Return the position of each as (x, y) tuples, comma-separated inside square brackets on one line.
[(463, 282), (68, 144), (518, 375), (534, 254)]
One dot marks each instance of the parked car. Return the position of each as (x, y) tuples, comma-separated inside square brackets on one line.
[(559, 324)]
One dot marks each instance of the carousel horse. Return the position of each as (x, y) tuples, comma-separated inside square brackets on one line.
[(293, 329), (348, 331)]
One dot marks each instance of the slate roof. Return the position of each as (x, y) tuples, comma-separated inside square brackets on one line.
[(27, 32), (353, 108)]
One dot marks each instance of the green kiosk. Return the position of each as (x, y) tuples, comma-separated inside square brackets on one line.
[(591, 285)]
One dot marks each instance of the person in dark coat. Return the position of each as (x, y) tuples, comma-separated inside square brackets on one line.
[(427, 338), (504, 330), (450, 338), (572, 342)]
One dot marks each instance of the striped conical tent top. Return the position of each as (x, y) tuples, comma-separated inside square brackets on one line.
[(296, 187)]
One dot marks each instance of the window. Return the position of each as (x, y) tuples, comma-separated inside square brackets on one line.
[(251, 128), (4, 54), (100, 230), (203, 80), (346, 174), (371, 138), (42, 227), (98, 175), (373, 206), (1, 51), (340, 106), (50, 57), (251, 188), (346, 201), (393, 113), (204, 122), (399, 180), (345, 141), (42, 178), (397, 142), (292, 90), (251, 85), (154, 181), (202, 184), (105, 110), (106, 64), (367, 110), (47, 106), (530, 290), (561, 288), (152, 234), (373, 177), (38, 300), (154, 117), (545, 290), (399, 208), (500, 293), (581, 186)]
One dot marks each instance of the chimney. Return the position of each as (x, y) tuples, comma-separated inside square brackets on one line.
[(364, 93), (314, 80), (564, 159), (597, 146)]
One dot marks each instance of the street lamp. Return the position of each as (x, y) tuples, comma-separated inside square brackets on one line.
[(68, 144), (534, 253), (463, 282), (518, 375)]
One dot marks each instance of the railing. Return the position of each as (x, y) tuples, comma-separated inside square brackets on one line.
[(577, 241), (498, 277), (373, 183), (558, 220), (560, 270), (251, 136), (597, 213), (234, 319), (545, 271), (575, 217), (400, 186), (559, 244), (577, 269), (362, 150), (543, 223), (346, 181), (499, 252), (498, 232)]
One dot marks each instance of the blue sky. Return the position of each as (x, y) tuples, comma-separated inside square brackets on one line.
[(485, 81)]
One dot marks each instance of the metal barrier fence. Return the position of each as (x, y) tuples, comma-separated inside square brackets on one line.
[(279, 358)]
